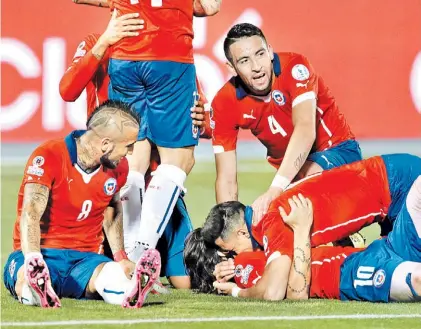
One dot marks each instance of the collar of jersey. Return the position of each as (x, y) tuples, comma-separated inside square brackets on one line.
[(241, 92), (70, 141), (248, 218)]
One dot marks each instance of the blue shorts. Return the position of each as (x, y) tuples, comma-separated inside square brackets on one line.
[(162, 93), (171, 244), (367, 275), (344, 153), (402, 171), (70, 270)]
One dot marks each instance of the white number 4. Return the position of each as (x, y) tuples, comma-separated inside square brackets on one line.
[(154, 3), (275, 127), (86, 209)]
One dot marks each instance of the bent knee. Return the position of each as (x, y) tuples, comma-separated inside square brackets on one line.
[(90, 289)]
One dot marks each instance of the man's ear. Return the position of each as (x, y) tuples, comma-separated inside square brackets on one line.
[(106, 145), (243, 232)]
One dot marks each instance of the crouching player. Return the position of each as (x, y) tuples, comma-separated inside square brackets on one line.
[(69, 194)]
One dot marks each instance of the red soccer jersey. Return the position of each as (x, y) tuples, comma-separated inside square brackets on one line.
[(168, 32), (74, 214), (345, 199), (270, 118), (86, 71), (325, 270)]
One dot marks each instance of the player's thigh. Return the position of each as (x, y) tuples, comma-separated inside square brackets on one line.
[(81, 276), (170, 94), (183, 158), (406, 282), (344, 153), (139, 160)]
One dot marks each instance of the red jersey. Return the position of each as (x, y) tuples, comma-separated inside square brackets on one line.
[(345, 199), (86, 71), (326, 265), (167, 35), (270, 118), (75, 211)]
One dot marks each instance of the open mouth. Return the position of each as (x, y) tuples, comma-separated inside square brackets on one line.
[(259, 78)]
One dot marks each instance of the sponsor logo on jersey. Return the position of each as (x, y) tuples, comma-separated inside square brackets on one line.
[(35, 170), (38, 161), (278, 97), (80, 51), (299, 84), (379, 278), (110, 186), (249, 116), (300, 72), (195, 131)]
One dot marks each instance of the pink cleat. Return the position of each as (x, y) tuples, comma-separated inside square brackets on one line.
[(148, 269), (39, 281)]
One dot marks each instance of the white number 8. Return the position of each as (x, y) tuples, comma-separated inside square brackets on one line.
[(86, 209)]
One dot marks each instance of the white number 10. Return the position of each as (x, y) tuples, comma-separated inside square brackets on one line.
[(154, 3), (86, 209), (365, 276)]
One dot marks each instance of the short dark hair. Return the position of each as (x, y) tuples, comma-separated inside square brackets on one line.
[(239, 31), (200, 259), (222, 220), (113, 104)]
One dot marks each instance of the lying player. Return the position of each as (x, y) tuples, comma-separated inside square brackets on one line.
[(286, 105), (388, 270), (368, 190), (69, 194), (88, 70)]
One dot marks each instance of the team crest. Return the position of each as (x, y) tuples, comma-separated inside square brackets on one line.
[(38, 161), (300, 72), (12, 268), (278, 97), (110, 186), (379, 278), (195, 131)]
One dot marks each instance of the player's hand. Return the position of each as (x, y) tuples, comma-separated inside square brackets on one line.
[(198, 114), (301, 216), (224, 271), (224, 287), (128, 267), (261, 205), (127, 25)]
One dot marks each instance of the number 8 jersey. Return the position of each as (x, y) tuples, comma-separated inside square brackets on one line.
[(77, 201), (269, 118)]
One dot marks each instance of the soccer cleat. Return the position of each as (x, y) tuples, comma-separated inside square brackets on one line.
[(356, 240), (145, 275), (39, 282)]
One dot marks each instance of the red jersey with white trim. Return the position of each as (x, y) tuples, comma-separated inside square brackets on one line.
[(75, 211), (326, 265), (270, 118), (167, 35), (345, 199), (86, 71)]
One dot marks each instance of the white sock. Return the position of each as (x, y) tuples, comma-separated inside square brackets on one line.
[(131, 197), (158, 205), (112, 283), (27, 297)]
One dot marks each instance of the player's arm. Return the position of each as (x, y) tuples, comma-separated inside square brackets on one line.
[(96, 3), (300, 219), (226, 185), (113, 224), (203, 8), (35, 200)]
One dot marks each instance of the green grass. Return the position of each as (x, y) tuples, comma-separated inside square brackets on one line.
[(253, 179)]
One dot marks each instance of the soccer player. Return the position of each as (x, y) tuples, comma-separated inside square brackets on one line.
[(68, 196), (388, 270), (281, 99), (344, 199), (89, 70), (155, 74)]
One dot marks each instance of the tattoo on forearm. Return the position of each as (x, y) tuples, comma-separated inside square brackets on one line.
[(298, 163), (113, 227), (300, 256), (35, 201)]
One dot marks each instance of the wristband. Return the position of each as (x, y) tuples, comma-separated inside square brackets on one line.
[(235, 291), (280, 182), (120, 255)]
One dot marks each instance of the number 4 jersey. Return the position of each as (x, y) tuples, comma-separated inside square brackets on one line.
[(77, 201), (269, 118)]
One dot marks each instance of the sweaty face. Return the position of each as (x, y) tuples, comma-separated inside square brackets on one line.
[(252, 61), (119, 149)]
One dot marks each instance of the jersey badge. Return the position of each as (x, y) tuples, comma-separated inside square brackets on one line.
[(379, 278), (110, 186), (300, 72), (278, 97)]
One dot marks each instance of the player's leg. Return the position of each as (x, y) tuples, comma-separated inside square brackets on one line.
[(170, 93), (406, 283)]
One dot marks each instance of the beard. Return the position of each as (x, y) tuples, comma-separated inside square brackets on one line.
[(107, 163)]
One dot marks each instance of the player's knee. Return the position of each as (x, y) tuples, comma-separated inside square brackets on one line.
[(273, 295), (182, 158), (416, 280), (180, 282)]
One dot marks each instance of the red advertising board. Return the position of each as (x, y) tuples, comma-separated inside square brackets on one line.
[(368, 52)]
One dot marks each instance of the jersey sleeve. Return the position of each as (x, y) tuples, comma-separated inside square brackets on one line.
[(249, 268), (278, 238), (40, 168), (81, 70), (302, 80), (224, 123)]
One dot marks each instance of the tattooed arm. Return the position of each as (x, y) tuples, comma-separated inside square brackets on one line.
[(35, 199), (113, 224)]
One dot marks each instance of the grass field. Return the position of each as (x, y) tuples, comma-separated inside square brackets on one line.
[(184, 309)]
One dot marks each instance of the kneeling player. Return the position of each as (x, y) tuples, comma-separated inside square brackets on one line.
[(69, 193)]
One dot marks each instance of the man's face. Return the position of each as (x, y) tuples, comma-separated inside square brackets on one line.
[(239, 241), (252, 62)]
